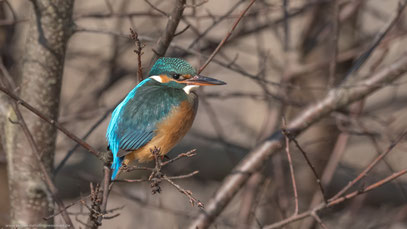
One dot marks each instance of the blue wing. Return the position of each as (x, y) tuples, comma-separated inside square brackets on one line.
[(134, 120)]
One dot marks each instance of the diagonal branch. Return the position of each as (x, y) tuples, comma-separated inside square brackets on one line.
[(52, 122), (313, 211), (369, 168), (226, 37), (164, 42), (46, 177), (257, 158)]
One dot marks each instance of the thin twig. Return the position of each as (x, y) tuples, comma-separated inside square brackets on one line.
[(322, 206), (226, 37), (287, 37), (188, 193), (66, 207), (173, 20), (135, 167), (334, 42), (45, 175), (190, 153), (290, 163), (215, 22), (51, 121), (139, 52), (334, 159), (184, 176), (368, 188), (197, 4), (314, 171), (368, 168), (157, 175), (316, 217), (73, 149), (335, 99), (379, 37), (182, 30), (156, 8)]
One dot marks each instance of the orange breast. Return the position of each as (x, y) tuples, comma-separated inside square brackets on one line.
[(169, 132)]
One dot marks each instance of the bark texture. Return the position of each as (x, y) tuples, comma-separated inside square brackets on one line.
[(41, 76)]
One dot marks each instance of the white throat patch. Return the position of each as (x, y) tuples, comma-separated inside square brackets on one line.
[(190, 88), (156, 78)]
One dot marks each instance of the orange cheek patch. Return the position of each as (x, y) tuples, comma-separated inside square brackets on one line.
[(164, 79)]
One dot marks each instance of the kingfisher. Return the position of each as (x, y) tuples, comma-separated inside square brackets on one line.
[(158, 112)]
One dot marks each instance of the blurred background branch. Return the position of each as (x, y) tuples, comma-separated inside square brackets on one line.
[(314, 62)]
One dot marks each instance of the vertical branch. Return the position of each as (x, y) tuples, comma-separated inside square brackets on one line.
[(162, 44), (99, 202), (139, 52), (286, 26), (334, 42), (37, 155), (48, 32), (290, 163), (249, 198)]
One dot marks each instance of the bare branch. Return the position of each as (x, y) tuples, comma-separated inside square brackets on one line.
[(51, 121), (337, 201), (190, 153), (139, 52), (164, 42), (292, 174), (226, 37), (255, 160), (368, 168), (308, 162), (45, 175), (379, 37)]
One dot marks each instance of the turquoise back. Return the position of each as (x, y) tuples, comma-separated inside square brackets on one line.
[(135, 119)]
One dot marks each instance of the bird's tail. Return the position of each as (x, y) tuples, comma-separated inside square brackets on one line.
[(117, 163)]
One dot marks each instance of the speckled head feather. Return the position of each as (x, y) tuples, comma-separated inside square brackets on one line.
[(171, 65)]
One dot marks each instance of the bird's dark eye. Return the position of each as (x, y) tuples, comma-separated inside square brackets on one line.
[(176, 76)]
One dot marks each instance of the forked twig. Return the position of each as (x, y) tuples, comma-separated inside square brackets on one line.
[(292, 138), (290, 163), (188, 193), (156, 176)]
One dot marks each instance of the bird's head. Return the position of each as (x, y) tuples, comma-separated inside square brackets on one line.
[(176, 72)]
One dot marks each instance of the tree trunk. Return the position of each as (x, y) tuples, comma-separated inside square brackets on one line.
[(41, 76)]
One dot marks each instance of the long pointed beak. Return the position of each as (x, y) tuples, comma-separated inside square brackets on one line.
[(203, 81)]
